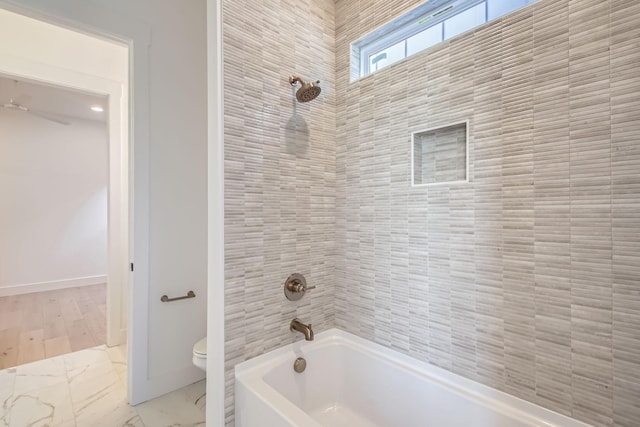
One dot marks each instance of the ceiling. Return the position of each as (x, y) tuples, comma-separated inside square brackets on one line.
[(61, 103)]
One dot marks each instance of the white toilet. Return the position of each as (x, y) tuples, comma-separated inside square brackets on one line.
[(200, 354)]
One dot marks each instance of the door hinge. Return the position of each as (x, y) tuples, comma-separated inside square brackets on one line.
[(131, 266)]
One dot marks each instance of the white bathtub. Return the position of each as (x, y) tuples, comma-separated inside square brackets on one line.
[(351, 382)]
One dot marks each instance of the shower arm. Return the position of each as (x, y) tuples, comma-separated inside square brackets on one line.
[(295, 79)]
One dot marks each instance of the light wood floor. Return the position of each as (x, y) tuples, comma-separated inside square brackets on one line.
[(46, 324)]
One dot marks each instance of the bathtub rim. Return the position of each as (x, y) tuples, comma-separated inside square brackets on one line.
[(252, 374)]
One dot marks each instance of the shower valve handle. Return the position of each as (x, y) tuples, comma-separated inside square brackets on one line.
[(295, 287), (299, 287)]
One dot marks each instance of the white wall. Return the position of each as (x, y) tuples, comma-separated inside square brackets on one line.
[(53, 203)]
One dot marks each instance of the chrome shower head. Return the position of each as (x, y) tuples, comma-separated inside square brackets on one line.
[(308, 91)]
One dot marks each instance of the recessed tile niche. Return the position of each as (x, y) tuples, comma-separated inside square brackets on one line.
[(440, 155)]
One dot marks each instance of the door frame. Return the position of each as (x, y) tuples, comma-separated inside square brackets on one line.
[(102, 23), (118, 172), (215, 256), (117, 181)]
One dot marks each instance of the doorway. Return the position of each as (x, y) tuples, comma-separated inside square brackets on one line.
[(53, 219), (169, 106), (92, 66)]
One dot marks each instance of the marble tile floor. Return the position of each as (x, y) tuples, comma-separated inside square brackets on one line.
[(87, 389)]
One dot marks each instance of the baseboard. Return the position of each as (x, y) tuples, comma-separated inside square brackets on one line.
[(119, 338), (51, 286)]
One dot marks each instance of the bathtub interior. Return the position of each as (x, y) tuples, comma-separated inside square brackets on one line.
[(343, 386)]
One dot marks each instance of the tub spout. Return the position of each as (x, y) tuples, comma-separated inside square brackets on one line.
[(297, 325)]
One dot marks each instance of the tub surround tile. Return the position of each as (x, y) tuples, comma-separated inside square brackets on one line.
[(552, 230), (591, 239), (279, 174), (526, 278), (625, 214)]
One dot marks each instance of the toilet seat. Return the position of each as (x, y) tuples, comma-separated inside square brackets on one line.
[(200, 348), (200, 354)]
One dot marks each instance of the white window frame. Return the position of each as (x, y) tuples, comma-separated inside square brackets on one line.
[(408, 25)]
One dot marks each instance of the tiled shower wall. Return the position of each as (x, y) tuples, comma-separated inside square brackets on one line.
[(527, 278), (279, 173)]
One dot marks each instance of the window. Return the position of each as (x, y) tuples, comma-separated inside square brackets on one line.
[(424, 39), (423, 27), (465, 21)]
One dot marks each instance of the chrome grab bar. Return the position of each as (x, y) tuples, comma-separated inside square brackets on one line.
[(165, 298)]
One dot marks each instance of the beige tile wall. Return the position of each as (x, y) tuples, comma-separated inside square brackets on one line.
[(279, 173), (440, 155), (528, 278)]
